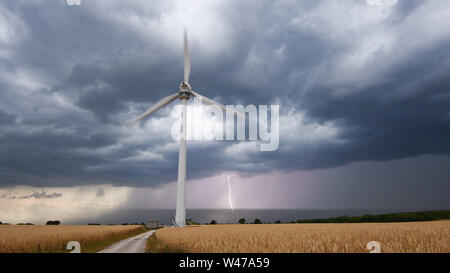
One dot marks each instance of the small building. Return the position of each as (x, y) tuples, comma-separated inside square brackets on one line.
[(152, 224)]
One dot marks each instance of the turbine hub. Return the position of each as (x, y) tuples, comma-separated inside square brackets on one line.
[(185, 86)]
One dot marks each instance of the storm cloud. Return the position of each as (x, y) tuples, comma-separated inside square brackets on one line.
[(35, 195), (355, 81), (41, 195)]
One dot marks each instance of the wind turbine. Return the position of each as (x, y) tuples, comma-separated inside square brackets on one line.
[(184, 94)]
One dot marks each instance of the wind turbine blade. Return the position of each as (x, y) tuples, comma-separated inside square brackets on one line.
[(187, 59), (209, 101), (154, 108)]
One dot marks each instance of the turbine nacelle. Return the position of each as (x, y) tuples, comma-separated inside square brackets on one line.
[(185, 90)]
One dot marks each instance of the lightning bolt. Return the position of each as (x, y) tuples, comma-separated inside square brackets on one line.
[(230, 201)]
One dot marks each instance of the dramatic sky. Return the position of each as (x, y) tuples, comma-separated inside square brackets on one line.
[(363, 89)]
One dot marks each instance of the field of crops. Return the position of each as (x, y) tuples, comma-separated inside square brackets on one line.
[(393, 237), (21, 238)]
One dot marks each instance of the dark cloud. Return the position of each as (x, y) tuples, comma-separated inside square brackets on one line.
[(41, 195), (78, 74), (5, 118), (404, 8), (35, 195)]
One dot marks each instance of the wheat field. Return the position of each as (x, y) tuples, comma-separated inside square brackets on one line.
[(26, 239), (306, 238)]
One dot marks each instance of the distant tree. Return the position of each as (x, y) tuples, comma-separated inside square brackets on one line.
[(1, 222), (93, 224), (242, 221), (277, 222), (55, 222), (29, 224), (124, 224), (383, 218), (257, 221), (213, 222), (190, 222)]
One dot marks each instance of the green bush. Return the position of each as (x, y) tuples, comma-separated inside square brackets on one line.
[(383, 218), (55, 222)]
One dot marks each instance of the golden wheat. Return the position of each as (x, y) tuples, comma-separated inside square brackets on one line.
[(307, 238), (21, 239)]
